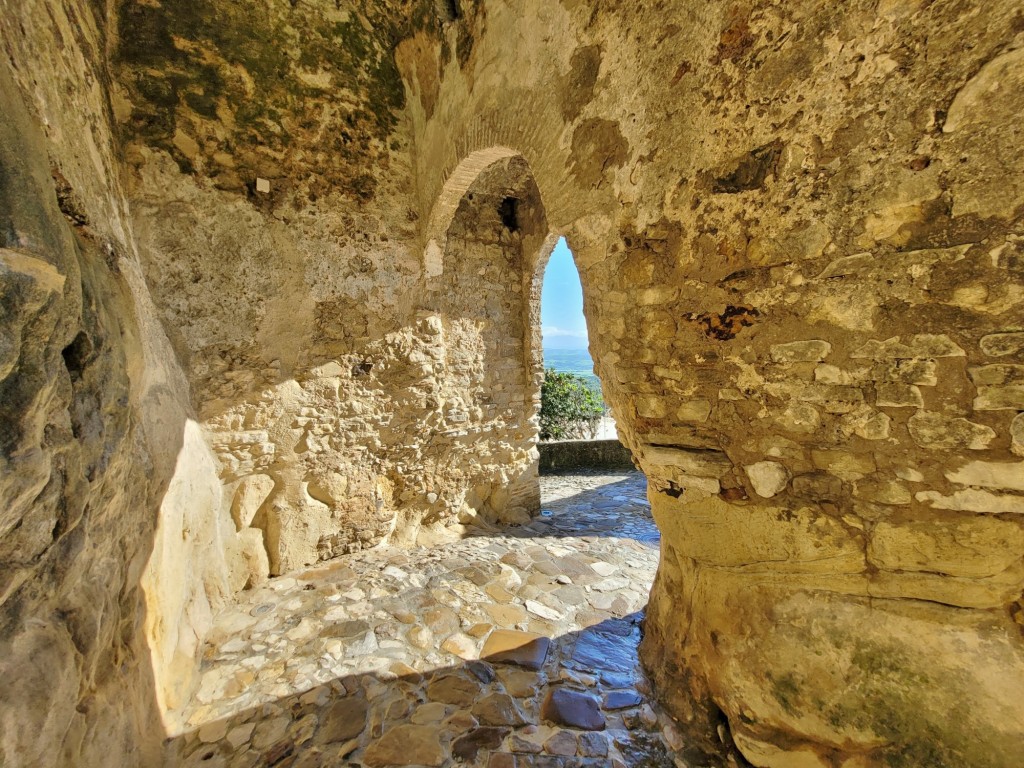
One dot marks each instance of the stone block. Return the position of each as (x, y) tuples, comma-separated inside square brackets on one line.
[(914, 371), (990, 474), (867, 423), (892, 395), (810, 351), (768, 478), (252, 491), (650, 407), (824, 373), (694, 410), (832, 398), (1002, 344), (1008, 398), (820, 486), (974, 500), (881, 491), (842, 463), (524, 649), (1017, 434), (848, 265), (996, 375), (923, 345), (802, 418), (937, 432), (787, 540), (696, 463)]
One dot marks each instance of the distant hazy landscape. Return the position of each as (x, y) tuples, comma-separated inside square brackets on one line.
[(576, 361)]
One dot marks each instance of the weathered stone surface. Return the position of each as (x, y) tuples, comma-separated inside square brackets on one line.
[(990, 474), (937, 432), (811, 351), (344, 720), (1002, 344), (1009, 398), (768, 477), (574, 709), (405, 745), (524, 649)]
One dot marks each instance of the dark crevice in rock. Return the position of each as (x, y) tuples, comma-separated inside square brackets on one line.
[(751, 170), (77, 354), (451, 10), (509, 213), (728, 324)]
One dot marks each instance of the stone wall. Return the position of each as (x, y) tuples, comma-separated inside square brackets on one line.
[(803, 293), (566, 456), (273, 275)]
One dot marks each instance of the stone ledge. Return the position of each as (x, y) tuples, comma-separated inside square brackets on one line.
[(565, 455)]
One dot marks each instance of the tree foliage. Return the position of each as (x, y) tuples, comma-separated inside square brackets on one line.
[(570, 409)]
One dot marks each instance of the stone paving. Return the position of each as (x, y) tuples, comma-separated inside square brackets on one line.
[(508, 649)]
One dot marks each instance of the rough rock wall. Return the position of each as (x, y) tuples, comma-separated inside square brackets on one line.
[(69, 592), (799, 237), (111, 561)]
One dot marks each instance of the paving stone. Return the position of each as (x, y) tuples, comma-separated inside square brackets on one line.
[(487, 738), (499, 760), (574, 709), (343, 720), (561, 743), (593, 744), (519, 744), (405, 745), (621, 700), (454, 689), (514, 647), (498, 709)]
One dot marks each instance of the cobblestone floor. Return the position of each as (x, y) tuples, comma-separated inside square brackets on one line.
[(514, 649)]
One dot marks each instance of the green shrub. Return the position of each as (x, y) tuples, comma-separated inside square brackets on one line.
[(569, 408)]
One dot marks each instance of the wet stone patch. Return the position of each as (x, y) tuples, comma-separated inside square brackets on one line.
[(510, 649)]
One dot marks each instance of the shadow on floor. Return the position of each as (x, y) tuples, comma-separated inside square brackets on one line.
[(618, 509), (476, 713)]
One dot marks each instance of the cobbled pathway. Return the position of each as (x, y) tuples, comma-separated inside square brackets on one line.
[(515, 649)]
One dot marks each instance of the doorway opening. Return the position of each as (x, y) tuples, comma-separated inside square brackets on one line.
[(572, 404)]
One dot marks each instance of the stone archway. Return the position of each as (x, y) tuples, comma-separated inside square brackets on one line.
[(486, 235)]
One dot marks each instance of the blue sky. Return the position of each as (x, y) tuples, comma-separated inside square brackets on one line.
[(561, 302)]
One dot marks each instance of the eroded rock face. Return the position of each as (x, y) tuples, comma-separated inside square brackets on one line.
[(291, 312)]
